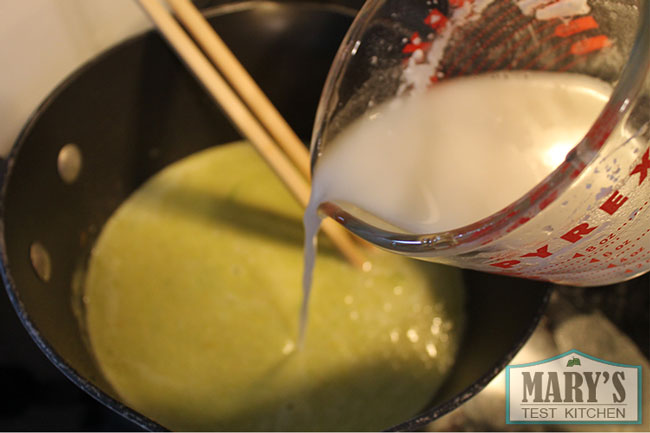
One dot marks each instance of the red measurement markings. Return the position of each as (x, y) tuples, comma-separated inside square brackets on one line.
[(613, 203), (548, 200), (642, 167), (630, 253), (637, 252), (626, 250), (506, 264), (622, 245), (577, 48), (541, 252), (575, 173), (575, 26), (563, 30), (436, 20), (564, 56), (606, 239), (590, 44), (518, 223), (610, 206), (604, 125), (468, 53), (584, 47), (578, 232), (416, 43), (538, 192)]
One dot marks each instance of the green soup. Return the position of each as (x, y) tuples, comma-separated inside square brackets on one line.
[(192, 298)]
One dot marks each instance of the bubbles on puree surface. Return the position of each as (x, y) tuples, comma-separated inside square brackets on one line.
[(192, 299)]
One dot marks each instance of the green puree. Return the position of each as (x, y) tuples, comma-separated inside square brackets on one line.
[(192, 302)]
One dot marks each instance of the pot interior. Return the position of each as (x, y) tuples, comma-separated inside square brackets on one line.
[(134, 110)]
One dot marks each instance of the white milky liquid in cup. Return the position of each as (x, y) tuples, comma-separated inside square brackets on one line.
[(455, 154)]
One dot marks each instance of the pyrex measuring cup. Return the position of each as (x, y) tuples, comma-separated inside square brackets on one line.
[(588, 222)]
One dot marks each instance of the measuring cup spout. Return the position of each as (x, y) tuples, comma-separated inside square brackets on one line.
[(584, 220)]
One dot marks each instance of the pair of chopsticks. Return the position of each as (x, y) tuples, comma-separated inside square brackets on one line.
[(253, 114)]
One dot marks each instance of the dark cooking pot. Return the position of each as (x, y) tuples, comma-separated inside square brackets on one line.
[(134, 110)]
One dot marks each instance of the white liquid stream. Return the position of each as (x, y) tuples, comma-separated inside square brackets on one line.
[(457, 153)]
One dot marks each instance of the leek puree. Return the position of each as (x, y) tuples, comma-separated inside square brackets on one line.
[(192, 298)]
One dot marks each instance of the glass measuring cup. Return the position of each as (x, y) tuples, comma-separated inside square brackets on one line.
[(587, 223)]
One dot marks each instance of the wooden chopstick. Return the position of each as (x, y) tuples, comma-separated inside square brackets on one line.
[(242, 82), (248, 125)]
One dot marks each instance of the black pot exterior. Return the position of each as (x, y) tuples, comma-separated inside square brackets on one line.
[(132, 111)]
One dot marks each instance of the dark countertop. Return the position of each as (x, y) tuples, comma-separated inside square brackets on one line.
[(39, 396)]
